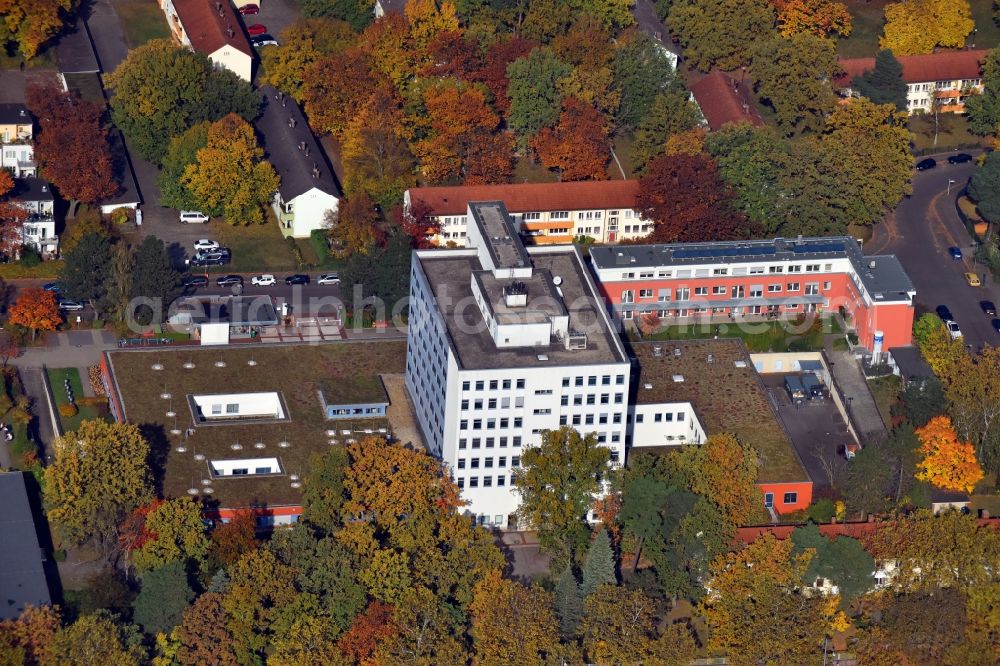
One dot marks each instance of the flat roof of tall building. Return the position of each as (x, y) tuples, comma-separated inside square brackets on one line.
[(881, 274), (719, 380), (502, 242), (450, 274), (344, 372)]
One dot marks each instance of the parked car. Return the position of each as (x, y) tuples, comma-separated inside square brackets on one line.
[(988, 308), (194, 217), (229, 280), (194, 281), (256, 29), (264, 40), (212, 259), (973, 280), (955, 252), (328, 278), (70, 306), (996, 325), (249, 10), (960, 158), (953, 330), (924, 165), (265, 280), (54, 287), (206, 244), (944, 313), (298, 278)]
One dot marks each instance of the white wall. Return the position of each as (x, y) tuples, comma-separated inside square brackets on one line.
[(12, 156), (226, 467), (683, 426), (234, 60), (248, 405), (598, 225), (309, 212)]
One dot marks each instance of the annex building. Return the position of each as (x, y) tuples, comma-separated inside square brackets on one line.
[(747, 280), (504, 343), (542, 213)]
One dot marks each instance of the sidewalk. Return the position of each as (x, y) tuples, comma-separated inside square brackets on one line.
[(77, 349), (861, 407)]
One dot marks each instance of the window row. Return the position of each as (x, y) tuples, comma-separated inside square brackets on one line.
[(660, 417), (491, 442), (681, 294), (491, 424), (588, 419), (473, 481), (789, 498), (501, 461), (493, 384), (649, 274), (592, 380), (592, 399)]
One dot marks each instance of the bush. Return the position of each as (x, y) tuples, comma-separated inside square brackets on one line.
[(318, 239), (119, 216), (92, 401), (68, 410), (822, 511), (30, 257), (59, 555), (15, 270)]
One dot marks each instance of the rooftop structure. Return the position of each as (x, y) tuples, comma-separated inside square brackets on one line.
[(719, 380), (236, 426), (212, 27), (724, 100), (22, 561)]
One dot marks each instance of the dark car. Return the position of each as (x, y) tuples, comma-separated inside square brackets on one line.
[(193, 281), (215, 259), (944, 313), (996, 325), (955, 252), (988, 308), (54, 287), (924, 165), (229, 280), (297, 279), (960, 158)]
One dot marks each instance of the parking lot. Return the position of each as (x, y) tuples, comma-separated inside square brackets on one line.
[(818, 432)]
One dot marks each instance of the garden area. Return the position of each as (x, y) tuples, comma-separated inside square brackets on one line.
[(952, 133), (142, 21), (15, 416), (885, 390), (72, 405), (773, 336)]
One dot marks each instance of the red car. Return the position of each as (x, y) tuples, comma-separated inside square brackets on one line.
[(249, 10), (256, 29)]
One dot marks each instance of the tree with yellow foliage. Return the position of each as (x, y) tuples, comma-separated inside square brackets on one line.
[(31, 23), (819, 17), (427, 19), (511, 623), (917, 26), (947, 463)]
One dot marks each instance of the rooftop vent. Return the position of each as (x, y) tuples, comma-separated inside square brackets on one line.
[(306, 151), (291, 122), (229, 32), (45, 188), (871, 264), (576, 340), (679, 379), (315, 171), (798, 239), (677, 352), (657, 351), (740, 364), (515, 294), (302, 145), (23, 112), (557, 280), (647, 385)]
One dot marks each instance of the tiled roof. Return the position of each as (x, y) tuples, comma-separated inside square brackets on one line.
[(861, 530), (725, 100), (212, 24), (531, 197), (942, 66)]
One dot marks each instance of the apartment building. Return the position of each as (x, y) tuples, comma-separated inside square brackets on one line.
[(17, 154), (211, 27), (39, 229), (753, 279), (506, 342), (542, 213), (946, 77)]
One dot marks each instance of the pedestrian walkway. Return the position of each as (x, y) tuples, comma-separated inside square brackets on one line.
[(77, 349), (861, 407)]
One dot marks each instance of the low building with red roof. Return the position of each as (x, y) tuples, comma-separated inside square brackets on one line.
[(544, 213), (212, 27), (947, 76), (724, 100)]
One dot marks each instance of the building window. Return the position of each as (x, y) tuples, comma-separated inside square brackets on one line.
[(515, 461), (627, 296), (812, 288), (768, 500), (559, 215), (773, 288), (461, 483), (461, 463), (516, 441), (520, 383), (701, 291), (501, 480), (462, 443), (792, 286), (465, 386), (480, 385), (473, 481), (487, 482), (791, 498)]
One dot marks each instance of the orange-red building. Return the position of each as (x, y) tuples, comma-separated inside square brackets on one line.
[(749, 280)]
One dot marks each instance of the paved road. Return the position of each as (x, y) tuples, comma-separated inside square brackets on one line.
[(920, 232), (106, 31)]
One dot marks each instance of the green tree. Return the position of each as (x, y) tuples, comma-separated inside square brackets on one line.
[(231, 176), (599, 566), (618, 626), (984, 187), (643, 500), (534, 96), (884, 83), (792, 75), (98, 477), (568, 602), (156, 279), (84, 276), (752, 160), (176, 534), (717, 32), (355, 12), (922, 400), (163, 598), (96, 639), (162, 89), (383, 273), (558, 482), (843, 561), (641, 72), (182, 152), (983, 109), (118, 297), (301, 44), (672, 112), (323, 489)]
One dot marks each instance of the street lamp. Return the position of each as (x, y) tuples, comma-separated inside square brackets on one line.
[(950, 183)]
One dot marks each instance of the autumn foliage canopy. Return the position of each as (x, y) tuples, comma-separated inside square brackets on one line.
[(947, 463)]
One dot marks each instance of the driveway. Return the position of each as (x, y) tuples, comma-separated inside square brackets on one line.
[(276, 15), (920, 231), (108, 36)]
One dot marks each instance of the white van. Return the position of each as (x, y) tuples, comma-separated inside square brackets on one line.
[(193, 217)]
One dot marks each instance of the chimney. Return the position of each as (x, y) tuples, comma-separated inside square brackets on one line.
[(291, 122), (306, 149), (315, 172), (302, 145), (229, 31), (45, 188), (23, 113), (284, 102)]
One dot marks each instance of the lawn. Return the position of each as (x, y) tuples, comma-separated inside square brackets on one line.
[(56, 376), (758, 336), (46, 59), (142, 21), (885, 390), (987, 34), (953, 133), (867, 28), (87, 85), (256, 248)]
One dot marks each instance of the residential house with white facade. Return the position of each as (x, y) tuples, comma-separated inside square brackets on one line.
[(309, 188), (947, 77), (39, 229), (543, 213), (212, 27), (17, 154), (504, 343)]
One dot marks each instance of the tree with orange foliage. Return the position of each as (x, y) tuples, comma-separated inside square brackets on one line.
[(72, 145), (426, 20), (493, 73), (35, 309), (203, 635), (32, 23), (355, 227), (12, 217), (456, 114), (377, 159), (29, 634), (232, 540), (513, 624), (387, 44), (337, 88), (947, 463), (370, 628), (489, 158), (819, 17), (577, 148), (417, 223), (687, 201), (691, 142), (451, 55)]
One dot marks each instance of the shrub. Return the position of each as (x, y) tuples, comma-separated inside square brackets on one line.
[(68, 410), (119, 216), (822, 510), (30, 257), (320, 245), (92, 401), (59, 555)]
